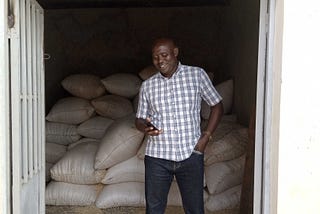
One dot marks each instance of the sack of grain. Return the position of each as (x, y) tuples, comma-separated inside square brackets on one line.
[(82, 140), (174, 196), (225, 126), (121, 142), (71, 110), (94, 127), (135, 103), (61, 133), (54, 152), (224, 175), (76, 166), (86, 86), (142, 150), (228, 199), (231, 146), (122, 84), (112, 106), (122, 194), (225, 89), (128, 170), (148, 72), (133, 194), (48, 167), (59, 193)]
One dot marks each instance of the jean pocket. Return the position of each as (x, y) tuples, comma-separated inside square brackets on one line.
[(197, 152)]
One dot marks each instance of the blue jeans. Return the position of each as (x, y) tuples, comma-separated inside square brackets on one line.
[(159, 174)]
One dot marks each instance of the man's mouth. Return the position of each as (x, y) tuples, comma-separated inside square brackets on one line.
[(162, 66)]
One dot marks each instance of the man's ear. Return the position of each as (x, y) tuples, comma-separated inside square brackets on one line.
[(176, 52)]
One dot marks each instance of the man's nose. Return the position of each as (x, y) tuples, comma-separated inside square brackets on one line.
[(160, 60)]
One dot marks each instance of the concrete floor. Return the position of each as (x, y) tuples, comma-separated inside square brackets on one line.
[(119, 210)]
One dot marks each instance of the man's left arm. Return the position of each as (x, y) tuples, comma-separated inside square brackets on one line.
[(214, 119)]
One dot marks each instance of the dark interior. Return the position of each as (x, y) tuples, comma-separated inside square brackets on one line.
[(102, 37)]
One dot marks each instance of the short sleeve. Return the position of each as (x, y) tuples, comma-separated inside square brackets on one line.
[(208, 92), (142, 109)]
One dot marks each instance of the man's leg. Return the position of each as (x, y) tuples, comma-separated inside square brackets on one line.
[(189, 175), (158, 178)]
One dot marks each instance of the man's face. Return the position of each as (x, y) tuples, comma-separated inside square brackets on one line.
[(164, 57)]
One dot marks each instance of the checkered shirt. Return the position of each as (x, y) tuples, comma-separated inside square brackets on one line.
[(174, 104)]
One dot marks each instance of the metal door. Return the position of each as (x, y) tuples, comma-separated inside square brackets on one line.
[(26, 80)]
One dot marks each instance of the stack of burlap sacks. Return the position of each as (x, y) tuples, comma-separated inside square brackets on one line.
[(94, 153)]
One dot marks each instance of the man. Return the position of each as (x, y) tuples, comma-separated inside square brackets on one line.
[(169, 112)]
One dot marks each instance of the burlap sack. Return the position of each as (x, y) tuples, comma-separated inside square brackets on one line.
[(59, 193), (126, 171), (54, 152), (229, 147), (135, 103), (61, 133), (86, 86), (148, 72), (142, 150), (76, 166), (133, 194), (226, 200), (82, 140), (94, 127), (48, 167), (122, 84), (121, 194), (225, 89), (112, 106), (225, 126), (71, 110), (224, 175), (121, 142)]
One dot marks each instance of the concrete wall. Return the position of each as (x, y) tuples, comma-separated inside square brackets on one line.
[(105, 41), (299, 147)]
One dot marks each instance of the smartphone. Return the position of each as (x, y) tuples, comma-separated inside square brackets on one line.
[(149, 124)]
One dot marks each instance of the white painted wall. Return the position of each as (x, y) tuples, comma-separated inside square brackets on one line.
[(299, 139)]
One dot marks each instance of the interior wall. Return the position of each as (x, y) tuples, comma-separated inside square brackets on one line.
[(104, 41), (241, 29), (221, 39)]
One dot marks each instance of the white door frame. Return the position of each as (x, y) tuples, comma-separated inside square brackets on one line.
[(268, 107), (21, 63), (265, 120), (4, 112)]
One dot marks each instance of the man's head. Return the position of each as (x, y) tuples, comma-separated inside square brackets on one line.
[(164, 56)]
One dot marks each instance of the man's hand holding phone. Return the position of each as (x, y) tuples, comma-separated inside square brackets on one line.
[(151, 129)]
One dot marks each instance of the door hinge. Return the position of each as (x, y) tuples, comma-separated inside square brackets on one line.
[(11, 20)]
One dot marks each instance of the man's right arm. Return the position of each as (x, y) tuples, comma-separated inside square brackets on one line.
[(141, 125)]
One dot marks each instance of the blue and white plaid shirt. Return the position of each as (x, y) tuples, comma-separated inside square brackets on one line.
[(174, 104)]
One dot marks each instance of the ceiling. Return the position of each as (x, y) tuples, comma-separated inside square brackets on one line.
[(65, 4)]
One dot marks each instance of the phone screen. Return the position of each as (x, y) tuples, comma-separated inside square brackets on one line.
[(149, 124)]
